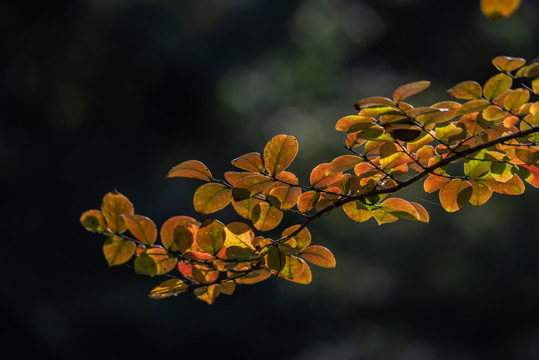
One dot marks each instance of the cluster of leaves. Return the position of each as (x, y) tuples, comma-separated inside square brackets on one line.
[(391, 144)]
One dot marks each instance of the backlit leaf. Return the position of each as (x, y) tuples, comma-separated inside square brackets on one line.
[(250, 162), (407, 90), (305, 277), (227, 287), (253, 277), (358, 214), (528, 157), (401, 209), (272, 259), (375, 101), (203, 275), (497, 9), (506, 63), (307, 201), (284, 197), (266, 217), (239, 234), (211, 197), (208, 293), (480, 193), (383, 217), (466, 90), (319, 178), (210, 236), (191, 169), (171, 287), (93, 220), (472, 106), (342, 163), (318, 255), (354, 123), (515, 99), (500, 171), (142, 228), (514, 186), (113, 207), (245, 207), (118, 251), (496, 85), (455, 195), (154, 261), (303, 238), (422, 212), (494, 113), (292, 267), (530, 174), (279, 153), (250, 186), (168, 235)]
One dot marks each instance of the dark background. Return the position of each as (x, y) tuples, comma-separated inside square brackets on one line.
[(105, 94)]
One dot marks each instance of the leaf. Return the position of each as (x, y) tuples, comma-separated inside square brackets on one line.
[(455, 195), (466, 90), (233, 176), (208, 293), (284, 197), (142, 228), (501, 172), (93, 220), (342, 163), (423, 214), (191, 169), (407, 90), (472, 106), (375, 101), (211, 197), (266, 217), (250, 162), (305, 277), (318, 255), (356, 211), (239, 234), (514, 186), (250, 186), (401, 209), (171, 287), (168, 238), (515, 99), (307, 201), (154, 261), (114, 205), (383, 217), (211, 236), (353, 123), (279, 153), (203, 275), (245, 207), (506, 63), (302, 239), (253, 277), (497, 9), (272, 259), (528, 157), (227, 287), (118, 251), (530, 174), (319, 178), (292, 267), (480, 193), (496, 85)]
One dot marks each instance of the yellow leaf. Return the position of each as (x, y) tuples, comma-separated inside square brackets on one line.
[(279, 153), (142, 228), (114, 205), (168, 288), (118, 251), (191, 169), (211, 197)]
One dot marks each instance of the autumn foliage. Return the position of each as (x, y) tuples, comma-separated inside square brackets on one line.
[(492, 133)]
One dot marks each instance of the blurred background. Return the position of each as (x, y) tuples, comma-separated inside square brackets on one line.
[(99, 95)]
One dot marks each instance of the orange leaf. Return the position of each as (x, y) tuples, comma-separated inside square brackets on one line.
[(114, 205), (154, 261), (118, 251), (279, 153), (407, 90), (472, 106), (497, 9), (318, 255), (506, 63), (250, 162), (375, 101), (284, 197), (244, 208), (356, 212), (208, 293), (93, 220), (530, 174), (142, 228), (211, 197), (171, 287), (342, 163), (210, 236), (423, 214), (250, 186), (455, 195), (307, 201), (514, 186), (167, 230), (305, 276), (266, 217), (515, 99), (480, 194), (302, 239), (319, 178), (253, 277), (353, 123), (466, 90), (401, 209), (191, 169)]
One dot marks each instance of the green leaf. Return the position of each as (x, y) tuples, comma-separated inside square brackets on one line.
[(142, 228), (211, 197), (318, 255), (279, 153), (118, 251), (168, 288), (496, 85), (191, 169)]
